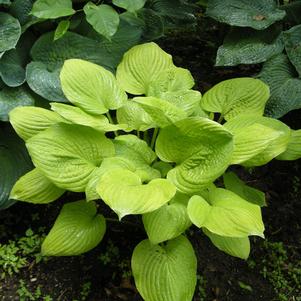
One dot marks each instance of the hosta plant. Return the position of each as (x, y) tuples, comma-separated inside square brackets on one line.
[(264, 31), (145, 143), (37, 36)]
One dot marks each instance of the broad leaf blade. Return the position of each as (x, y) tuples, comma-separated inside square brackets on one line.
[(68, 154), (129, 5), (165, 273), (35, 188), (91, 87), (293, 150), (123, 191), (77, 229)]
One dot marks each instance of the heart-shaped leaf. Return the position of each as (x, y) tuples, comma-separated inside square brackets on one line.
[(35, 188), (140, 66), (167, 222), (284, 84), (48, 9), (237, 96), (201, 148), (29, 121), (123, 191), (91, 87), (77, 229), (234, 246), (227, 214), (68, 154), (244, 13), (165, 273), (103, 18), (293, 150), (10, 32)]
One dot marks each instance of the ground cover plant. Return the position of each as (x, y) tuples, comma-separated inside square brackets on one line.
[(146, 144), (263, 31), (36, 36)]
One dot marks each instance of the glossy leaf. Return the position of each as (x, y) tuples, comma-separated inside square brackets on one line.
[(10, 31), (244, 13), (233, 183), (68, 154), (167, 222), (124, 192), (293, 150), (234, 246), (29, 121), (77, 229), (91, 87), (201, 148), (285, 87), (35, 188), (165, 273), (249, 46), (61, 29), (103, 18), (237, 96), (49, 9), (227, 214), (140, 66)]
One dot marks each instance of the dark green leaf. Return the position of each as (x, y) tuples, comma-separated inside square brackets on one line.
[(249, 46), (285, 87), (257, 14), (10, 32), (21, 9), (292, 42), (14, 162)]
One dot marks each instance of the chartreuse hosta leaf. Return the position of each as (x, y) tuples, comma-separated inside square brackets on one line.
[(91, 87), (233, 183), (167, 222), (173, 79), (293, 150), (124, 192), (140, 66), (29, 121), (278, 137), (201, 148), (78, 116), (226, 214), (135, 117), (49, 9), (67, 154), (162, 112), (237, 96), (165, 273), (138, 154), (77, 229), (234, 246), (35, 188)]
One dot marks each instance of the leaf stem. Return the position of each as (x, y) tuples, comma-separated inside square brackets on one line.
[(111, 121), (221, 118), (155, 134)]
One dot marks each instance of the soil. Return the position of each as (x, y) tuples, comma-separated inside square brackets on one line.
[(62, 278)]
